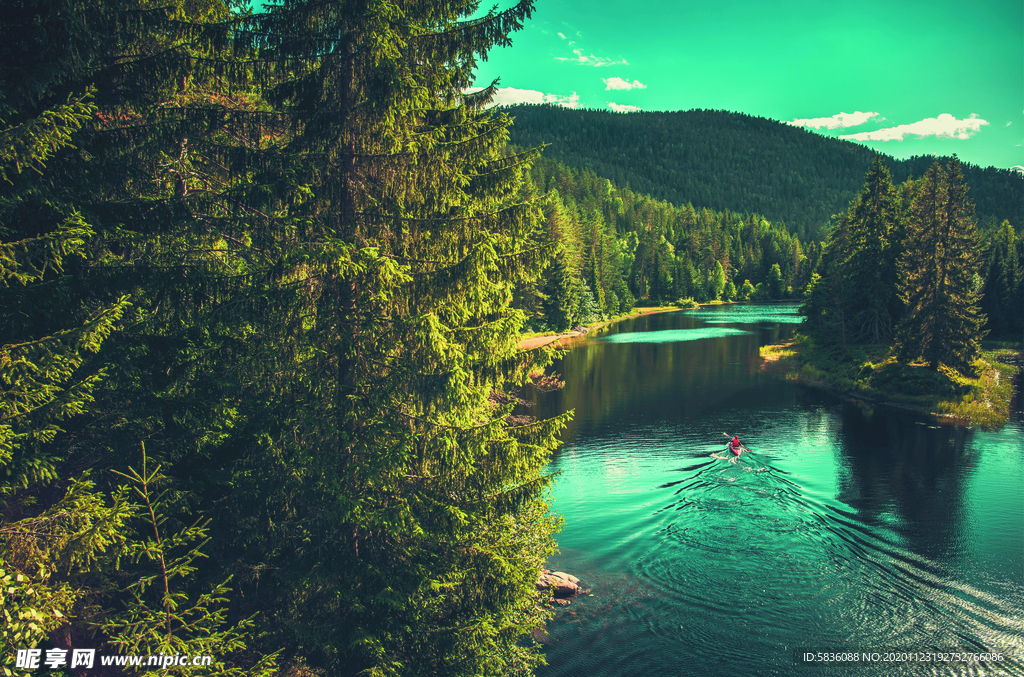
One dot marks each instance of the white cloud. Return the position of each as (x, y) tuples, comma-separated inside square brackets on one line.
[(584, 60), (1018, 168), (841, 120), (944, 127), (622, 108), (1009, 123), (507, 96), (619, 83), (561, 35)]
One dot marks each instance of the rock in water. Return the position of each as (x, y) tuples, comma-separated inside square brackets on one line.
[(562, 584)]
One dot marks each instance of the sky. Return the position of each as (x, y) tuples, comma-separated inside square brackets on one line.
[(902, 77)]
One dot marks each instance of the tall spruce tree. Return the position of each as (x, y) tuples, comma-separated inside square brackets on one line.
[(943, 321), (870, 269), (825, 296), (560, 303), (392, 513)]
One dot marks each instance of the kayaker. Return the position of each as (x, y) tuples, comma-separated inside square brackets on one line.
[(735, 446)]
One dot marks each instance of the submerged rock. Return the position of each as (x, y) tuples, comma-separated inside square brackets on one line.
[(564, 586)]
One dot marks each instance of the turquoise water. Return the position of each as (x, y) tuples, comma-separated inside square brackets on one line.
[(845, 528), (672, 335)]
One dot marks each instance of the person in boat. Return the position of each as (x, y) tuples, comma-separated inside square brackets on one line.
[(735, 446)]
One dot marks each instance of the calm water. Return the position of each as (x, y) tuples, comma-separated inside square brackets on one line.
[(844, 528)]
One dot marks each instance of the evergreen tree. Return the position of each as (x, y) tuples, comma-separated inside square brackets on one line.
[(84, 546), (824, 306), (1002, 303), (320, 236), (408, 528), (44, 381), (729, 293), (869, 271), (682, 278), (595, 274), (943, 322), (560, 302)]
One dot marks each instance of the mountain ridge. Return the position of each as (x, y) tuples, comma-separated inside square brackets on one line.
[(734, 161)]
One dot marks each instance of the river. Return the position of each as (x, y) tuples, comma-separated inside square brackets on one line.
[(844, 529)]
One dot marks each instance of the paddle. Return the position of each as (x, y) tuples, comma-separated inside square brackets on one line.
[(744, 448)]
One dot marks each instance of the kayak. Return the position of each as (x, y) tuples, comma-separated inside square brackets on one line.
[(736, 450)]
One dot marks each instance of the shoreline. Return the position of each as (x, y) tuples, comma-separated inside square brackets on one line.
[(983, 401), (564, 339)]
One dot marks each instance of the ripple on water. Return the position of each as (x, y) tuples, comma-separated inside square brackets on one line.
[(844, 529), (746, 542)]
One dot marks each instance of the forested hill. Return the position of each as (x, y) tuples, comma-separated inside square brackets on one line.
[(723, 160)]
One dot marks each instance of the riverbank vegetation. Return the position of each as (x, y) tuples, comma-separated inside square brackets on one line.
[(617, 249), (872, 373), (895, 309)]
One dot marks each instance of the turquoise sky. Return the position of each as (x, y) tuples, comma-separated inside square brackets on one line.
[(905, 78)]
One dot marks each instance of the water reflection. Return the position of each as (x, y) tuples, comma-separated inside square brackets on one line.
[(908, 474), (845, 526), (678, 368)]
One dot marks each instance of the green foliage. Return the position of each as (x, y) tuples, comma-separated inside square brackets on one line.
[(904, 379), (873, 374), (29, 610), (158, 614), (414, 549), (43, 386), (561, 304), (1003, 301), (868, 269), (716, 281), (909, 254), (938, 275), (41, 383), (987, 399), (656, 251), (321, 238), (776, 286), (29, 144)]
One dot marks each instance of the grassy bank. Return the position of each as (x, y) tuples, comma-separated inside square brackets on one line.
[(871, 373)]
